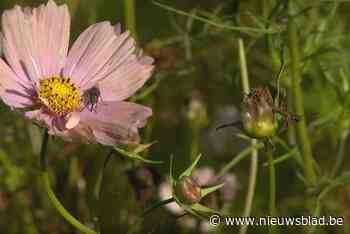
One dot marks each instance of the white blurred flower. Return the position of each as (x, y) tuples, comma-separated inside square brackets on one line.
[(164, 194)]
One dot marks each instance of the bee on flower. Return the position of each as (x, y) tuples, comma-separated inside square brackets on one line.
[(62, 88)]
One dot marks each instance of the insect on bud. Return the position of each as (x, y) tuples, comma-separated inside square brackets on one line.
[(258, 116), (188, 191)]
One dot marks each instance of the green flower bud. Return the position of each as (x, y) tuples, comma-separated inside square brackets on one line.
[(258, 116), (188, 191)]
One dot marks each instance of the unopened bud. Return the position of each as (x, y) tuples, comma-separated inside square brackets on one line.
[(258, 117), (188, 191)]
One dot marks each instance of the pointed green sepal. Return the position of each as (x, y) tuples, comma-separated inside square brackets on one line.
[(203, 211), (189, 210), (135, 156), (142, 147), (190, 169), (206, 191)]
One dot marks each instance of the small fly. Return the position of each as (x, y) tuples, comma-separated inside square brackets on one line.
[(91, 97)]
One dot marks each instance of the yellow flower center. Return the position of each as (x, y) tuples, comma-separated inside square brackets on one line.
[(59, 94)]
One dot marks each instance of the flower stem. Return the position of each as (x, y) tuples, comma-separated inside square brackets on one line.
[(243, 67), (43, 151), (155, 206), (341, 154), (52, 197), (254, 159), (130, 19), (272, 184), (298, 101), (195, 135), (272, 189)]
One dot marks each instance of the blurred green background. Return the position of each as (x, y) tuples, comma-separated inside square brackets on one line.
[(195, 88)]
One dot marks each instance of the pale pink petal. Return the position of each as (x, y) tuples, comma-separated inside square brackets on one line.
[(41, 118), (13, 58), (79, 133), (11, 92), (115, 122), (98, 51), (112, 123), (36, 42), (72, 120), (126, 79), (1, 42), (46, 120)]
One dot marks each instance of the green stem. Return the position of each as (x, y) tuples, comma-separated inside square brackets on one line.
[(341, 154), (52, 197), (272, 184), (159, 204), (238, 158), (195, 135), (242, 29), (271, 165), (272, 190), (43, 151), (298, 101), (254, 159), (130, 19), (243, 67)]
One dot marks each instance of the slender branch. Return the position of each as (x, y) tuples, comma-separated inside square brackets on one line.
[(195, 137), (272, 189), (130, 19), (43, 151), (238, 158), (272, 184), (340, 155), (243, 67), (272, 172), (254, 159), (52, 197), (242, 29), (159, 204), (298, 101)]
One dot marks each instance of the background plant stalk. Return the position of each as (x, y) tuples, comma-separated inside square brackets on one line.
[(303, 138), (254, 156)]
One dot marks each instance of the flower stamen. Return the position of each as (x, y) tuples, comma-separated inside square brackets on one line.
[(59, 94)]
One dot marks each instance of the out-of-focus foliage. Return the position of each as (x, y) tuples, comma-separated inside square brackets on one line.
[(194, 89)]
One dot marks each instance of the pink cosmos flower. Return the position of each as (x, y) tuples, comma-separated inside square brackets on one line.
[(75, 94)]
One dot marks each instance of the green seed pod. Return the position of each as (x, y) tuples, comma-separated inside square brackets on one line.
[(188, 191), (258, 117)]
